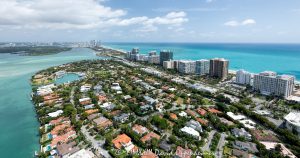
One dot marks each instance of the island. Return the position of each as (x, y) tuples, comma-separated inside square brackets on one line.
[(34, 50), (121, 107)]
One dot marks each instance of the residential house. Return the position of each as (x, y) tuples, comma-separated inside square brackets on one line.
[(183, 153), (90, 106), (66, 149), (148, 137), (195, 125), (102, 122), (202, 121), (83, 153), (191, 112), (173, 116), (246, 146), (150, 100), (146, 108), (122, 141), (241, 133), (56, 113), (108, 106), (91, 111), (139, 129), (93, 116), (148, 154), (85, 101), (242, 154), (190, 131), (214, 111), (85, 88), (201, 111), (122, 118), (182, 114), (165, 146)]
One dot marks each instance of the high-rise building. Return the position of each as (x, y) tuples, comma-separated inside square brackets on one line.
[(243, 77), (153, 59), (218, 68), (269, 83), (202, 67), (152, 53), (187, 66), (165, 55), (133, 54), (176, 64), (168, 64)]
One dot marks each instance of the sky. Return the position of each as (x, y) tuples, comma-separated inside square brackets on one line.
[(238, 21)]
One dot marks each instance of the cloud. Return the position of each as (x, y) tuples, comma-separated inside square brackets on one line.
[(79, 14), (234, 23)]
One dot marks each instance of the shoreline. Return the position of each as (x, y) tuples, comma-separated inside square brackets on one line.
[(231, 71)]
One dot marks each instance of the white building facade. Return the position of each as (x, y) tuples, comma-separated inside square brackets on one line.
[(187, 66), (202, 67), (243, 77), (269, 83)]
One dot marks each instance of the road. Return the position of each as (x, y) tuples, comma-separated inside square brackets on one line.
[(97, 144), (209, 138), (219, 152)]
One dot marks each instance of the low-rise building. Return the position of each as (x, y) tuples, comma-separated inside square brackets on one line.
[(148, 137), (195, 125), (190, 131), (292, 122), (139, 129), (102, 122), (246, 146), (122, 141), (241, 132), (183, 153)]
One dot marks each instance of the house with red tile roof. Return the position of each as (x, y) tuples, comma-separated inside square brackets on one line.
[(148, 154), (122, 141), (139, 129), (201, 111), (59, 120), (63, 138), (50, 98), (183, 153), (85, 101), (214, 111), (148, 137), (191, 112), (173, 116), (202, 121)]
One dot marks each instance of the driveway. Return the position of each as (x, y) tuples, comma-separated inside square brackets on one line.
[(97, 144), (210, 136), (219, 152)]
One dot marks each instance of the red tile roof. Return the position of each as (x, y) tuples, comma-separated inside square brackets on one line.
[(150, 136), (183, 153), (120, 140)]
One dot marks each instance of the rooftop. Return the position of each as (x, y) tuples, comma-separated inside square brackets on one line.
[(293, 118)]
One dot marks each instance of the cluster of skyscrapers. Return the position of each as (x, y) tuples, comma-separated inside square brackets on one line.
[(217, 67)]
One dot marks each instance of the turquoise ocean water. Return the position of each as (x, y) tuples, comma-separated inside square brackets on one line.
[(281, 58), (19, 127)]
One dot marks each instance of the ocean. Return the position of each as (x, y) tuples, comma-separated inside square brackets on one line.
[(255, 58)]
